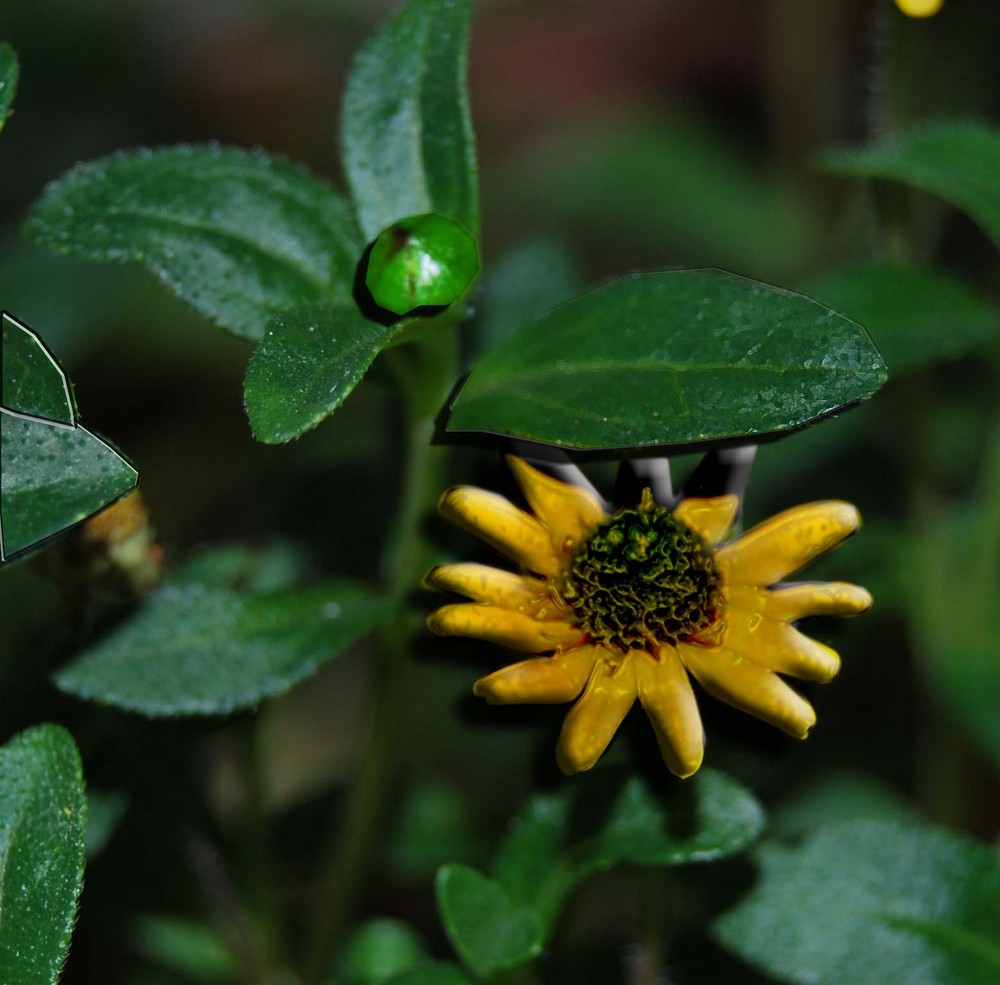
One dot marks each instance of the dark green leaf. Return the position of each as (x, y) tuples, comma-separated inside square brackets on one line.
[(435, 826), (654, 188), (193, 649), (606, 821), (105, 810), (33, 382), (378, 951), (193, 949), (310, 359), (432, 973), (958, 161), (42, 818), (406, 130), (8, 80), (669, 358), (251, 569), (487, 928), (237, 234), (870, 902), (915, 317), (522, 285), (840, 796), (53, 477)]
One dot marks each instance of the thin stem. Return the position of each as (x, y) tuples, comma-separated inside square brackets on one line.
[(425, 371)]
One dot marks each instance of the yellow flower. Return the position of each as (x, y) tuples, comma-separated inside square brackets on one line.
[(634, 604), (920, 8)]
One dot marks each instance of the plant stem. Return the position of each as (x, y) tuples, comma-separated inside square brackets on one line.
[(425, 370)]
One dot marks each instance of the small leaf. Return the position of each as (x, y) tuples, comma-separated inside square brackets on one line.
[(194, 649), (8, 80), (666, 359), (42, 817), (870, 902), (33, 382), (489, 931), (522, 285), (192, 949), (105, 809), (432, 973), (606, 821), (915, 317), (312, 356), (237, 234), (406, 129), (959, 161), (53, 477), (378, 951)]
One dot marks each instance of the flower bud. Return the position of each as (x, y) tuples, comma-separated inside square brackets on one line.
[(421, 260)]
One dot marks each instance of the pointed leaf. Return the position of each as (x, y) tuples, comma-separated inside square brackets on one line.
[(406, 129), (42, 817), (488, 930), (53, 477), (870, 902), (8, 80), (669, 358), (607, 821), (237, 234), (33, 382), (958, 161), (195, 649), (312, 356), (915, 317)]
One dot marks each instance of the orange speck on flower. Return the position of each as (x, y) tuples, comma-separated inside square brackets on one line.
[(636, 604)]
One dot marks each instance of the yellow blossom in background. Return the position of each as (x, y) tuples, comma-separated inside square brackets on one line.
[(632, 605), (920, 8)]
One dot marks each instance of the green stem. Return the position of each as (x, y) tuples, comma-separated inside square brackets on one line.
[(425, 370)]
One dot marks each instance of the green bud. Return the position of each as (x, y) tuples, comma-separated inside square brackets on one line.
[(422, 260)]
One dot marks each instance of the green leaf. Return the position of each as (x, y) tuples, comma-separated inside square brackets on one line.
[(312, 356), (237, 234), (487, 928), (406, 129), (195, 649), (959, 161), (607, 820), (53, 477), (523, 284), (33, 382), (669, 358), (432, 973), (915, 317), (378, 951), (105, 809), (193, 949), (8, 80), (870, 902), (42, 817)]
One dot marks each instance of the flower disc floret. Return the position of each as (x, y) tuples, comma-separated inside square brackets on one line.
[(642, 578)]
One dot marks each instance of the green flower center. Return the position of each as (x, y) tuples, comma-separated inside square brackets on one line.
[(642, 578)]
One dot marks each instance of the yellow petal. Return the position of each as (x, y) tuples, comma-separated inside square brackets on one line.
[(592, 722), (748, 686), (777, 645), (499, 523), (666, 695), (479, 582), (821, 598), (497, 625), (568, 512), (786, 542), (710, 518), (542, 681)]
